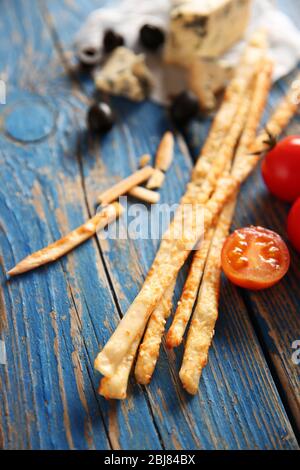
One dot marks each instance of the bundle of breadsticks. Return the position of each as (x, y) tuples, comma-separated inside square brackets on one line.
[(229, 155)]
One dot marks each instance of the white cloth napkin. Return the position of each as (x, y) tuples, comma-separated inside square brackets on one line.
[(127, 17)]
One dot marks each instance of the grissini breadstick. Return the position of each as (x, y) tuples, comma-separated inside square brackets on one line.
[(202, 326), (250, 63), (199, 191), (201, 329), (115, 387), (149, 348), (283, 113), (257, 101), (261, 91), (125, 185), (64, 245), (185, 305), (175, 249), (162, 273)]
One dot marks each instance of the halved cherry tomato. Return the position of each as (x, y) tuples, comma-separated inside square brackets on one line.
[(293, 225), (281, 169), (255, 258)]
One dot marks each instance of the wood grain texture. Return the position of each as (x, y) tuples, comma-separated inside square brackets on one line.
[(54, 320)]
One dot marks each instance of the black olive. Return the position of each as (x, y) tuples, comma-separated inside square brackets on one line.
[(89, 56), (100, 117), (151, 37), (111, 40), (184, 107), (90, 52)]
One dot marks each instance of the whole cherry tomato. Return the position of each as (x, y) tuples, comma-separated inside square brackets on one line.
[(281, 169), (293, 225), (255, 258)]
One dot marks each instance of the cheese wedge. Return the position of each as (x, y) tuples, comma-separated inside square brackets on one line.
[(204, 28)]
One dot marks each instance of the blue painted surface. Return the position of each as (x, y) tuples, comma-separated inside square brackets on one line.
[(55, 319)]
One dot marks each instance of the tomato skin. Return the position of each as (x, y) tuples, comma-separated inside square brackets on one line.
[(255, 258), (281, 169), (293, 225)]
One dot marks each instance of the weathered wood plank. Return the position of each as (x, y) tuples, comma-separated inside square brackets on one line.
[(49, 322), (238, 405)]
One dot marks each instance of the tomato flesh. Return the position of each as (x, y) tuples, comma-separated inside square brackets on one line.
[(281, 169), (255, 258), (293, 225)]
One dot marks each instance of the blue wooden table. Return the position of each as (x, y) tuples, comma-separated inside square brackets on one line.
[(54, 320)]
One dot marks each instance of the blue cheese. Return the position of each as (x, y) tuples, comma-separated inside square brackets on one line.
[(126, 74), (204, 28), (206, 78)]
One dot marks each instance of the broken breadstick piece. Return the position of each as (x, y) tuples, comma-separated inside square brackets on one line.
[(165, 152), (64, 245), (144, 160), (145, 194), (156, 180), (164, 158), (125, 185)]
